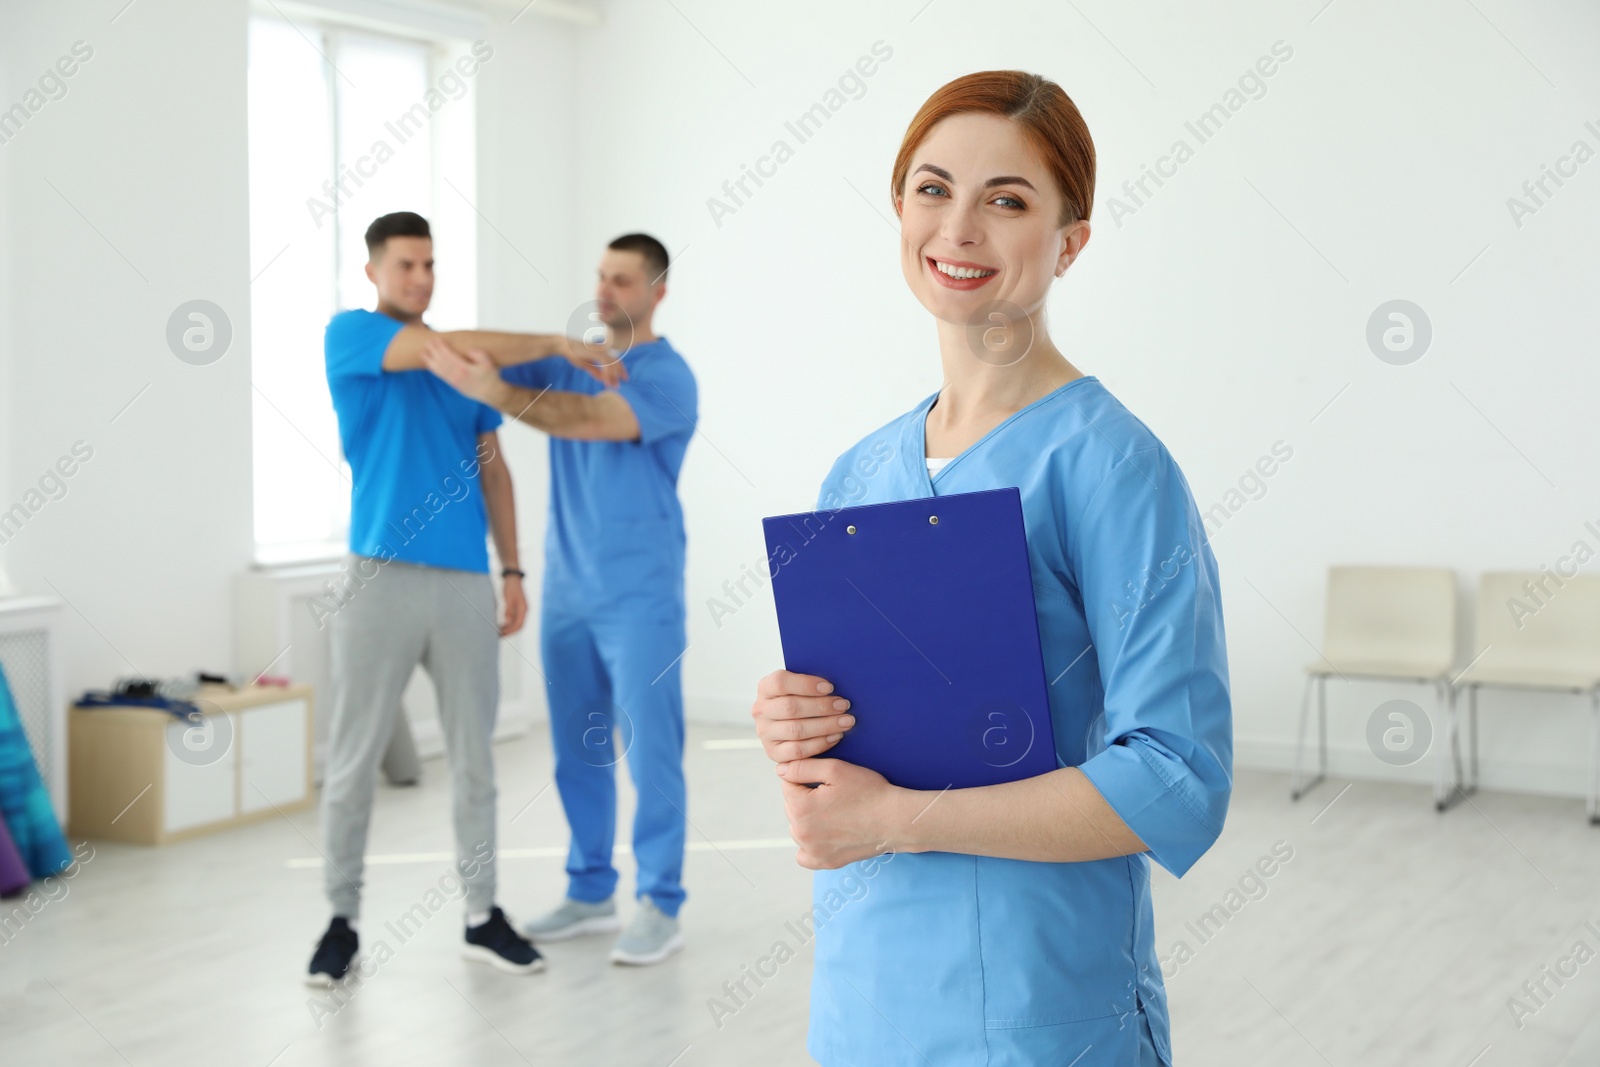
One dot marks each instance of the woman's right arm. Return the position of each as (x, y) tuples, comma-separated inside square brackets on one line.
[(797, 716)]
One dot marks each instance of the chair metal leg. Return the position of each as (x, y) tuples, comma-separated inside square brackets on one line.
[(1594, 756), (1441, 757), (1450, 790), (1322, 727), (1297, 787), (1472, 716)]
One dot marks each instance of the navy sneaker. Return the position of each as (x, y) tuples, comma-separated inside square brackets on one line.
[(331, 962), (498, 945)]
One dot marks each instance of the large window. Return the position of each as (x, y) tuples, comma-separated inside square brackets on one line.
[(345, 125)]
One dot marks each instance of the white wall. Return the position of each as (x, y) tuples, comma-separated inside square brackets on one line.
[(122, 200), (527, 275), (1227, 312)]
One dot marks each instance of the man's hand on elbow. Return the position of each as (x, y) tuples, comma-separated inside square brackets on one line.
[(472, 372)]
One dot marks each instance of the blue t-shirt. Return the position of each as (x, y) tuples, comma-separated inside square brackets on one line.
[(615, 541), (412, 443)]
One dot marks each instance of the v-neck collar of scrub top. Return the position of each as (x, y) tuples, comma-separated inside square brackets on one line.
[(919, 429)]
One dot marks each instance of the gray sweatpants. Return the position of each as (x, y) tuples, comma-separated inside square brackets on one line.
[(444, 619)]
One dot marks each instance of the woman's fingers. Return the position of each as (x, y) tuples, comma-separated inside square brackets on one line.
[(786, 751), (784, 683), (797, 715), (796, 722), (801, 718), (799, 738), (787, 716)]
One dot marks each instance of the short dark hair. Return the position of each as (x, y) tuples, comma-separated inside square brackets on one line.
[(653, 251), (395, 224)]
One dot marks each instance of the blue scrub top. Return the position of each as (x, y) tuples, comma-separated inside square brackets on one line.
[(412, 443), (945, 958), (615, 541)]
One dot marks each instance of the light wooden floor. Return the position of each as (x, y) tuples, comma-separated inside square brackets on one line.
[(1392, 936)]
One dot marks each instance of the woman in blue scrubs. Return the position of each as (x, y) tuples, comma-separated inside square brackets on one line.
[(1012, 924)]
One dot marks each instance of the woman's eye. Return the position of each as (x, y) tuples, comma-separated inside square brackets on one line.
[(1009, 201), (931, 187)]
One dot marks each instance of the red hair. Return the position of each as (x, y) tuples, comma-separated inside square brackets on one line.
[(1048, 119)]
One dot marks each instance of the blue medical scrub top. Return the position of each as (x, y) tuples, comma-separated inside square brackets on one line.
[(412, 443), (615, 541), (945, 958)]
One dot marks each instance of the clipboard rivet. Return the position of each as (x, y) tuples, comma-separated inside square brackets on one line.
[(849, 529), (934, 519)]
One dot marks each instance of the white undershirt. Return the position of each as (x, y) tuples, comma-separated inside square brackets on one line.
[(935, 464)]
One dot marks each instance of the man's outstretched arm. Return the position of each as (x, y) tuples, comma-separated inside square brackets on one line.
[(505, 349), (601, 417)]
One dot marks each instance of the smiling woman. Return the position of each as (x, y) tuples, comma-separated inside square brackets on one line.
[(1018, 926)]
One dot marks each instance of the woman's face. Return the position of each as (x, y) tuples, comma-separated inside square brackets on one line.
[(980, 222)]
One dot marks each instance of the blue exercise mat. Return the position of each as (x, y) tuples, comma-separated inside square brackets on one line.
[(24, 802), (14, 874)]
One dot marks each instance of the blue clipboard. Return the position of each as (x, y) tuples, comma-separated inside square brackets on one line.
[(921, 613)]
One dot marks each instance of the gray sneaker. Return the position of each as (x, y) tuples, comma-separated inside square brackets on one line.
[(574, 918), (650, 938)]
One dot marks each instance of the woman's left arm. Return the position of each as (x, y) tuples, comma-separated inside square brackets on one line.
[(853, 813)]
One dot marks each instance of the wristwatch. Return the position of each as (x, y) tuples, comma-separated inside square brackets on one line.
[(509, 571)]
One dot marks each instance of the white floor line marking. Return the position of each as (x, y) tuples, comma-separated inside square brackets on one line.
[(752, 844), (713, 744)]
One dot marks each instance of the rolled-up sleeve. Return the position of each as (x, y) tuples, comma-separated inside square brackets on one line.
[(663, 397), (355, 342), (1154, 611), (485, 419)]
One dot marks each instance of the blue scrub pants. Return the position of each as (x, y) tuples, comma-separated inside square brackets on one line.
[(615, 692)]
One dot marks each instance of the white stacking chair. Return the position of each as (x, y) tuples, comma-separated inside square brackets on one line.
[(1537, 630), (1390, 623)]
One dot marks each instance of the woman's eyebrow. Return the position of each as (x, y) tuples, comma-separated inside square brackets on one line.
[(1009, 179)]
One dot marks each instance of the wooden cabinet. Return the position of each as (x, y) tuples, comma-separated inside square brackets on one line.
[(145, 776)]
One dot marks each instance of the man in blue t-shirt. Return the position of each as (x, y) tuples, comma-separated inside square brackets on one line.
[(612, 620), (428, 485)]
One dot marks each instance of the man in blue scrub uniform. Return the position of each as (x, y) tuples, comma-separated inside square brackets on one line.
[(613, 612), (428, 484)]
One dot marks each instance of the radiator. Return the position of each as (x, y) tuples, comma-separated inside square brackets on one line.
[(280, 616)]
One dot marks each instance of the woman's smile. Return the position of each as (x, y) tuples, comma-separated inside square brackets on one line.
[(959, 274)]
